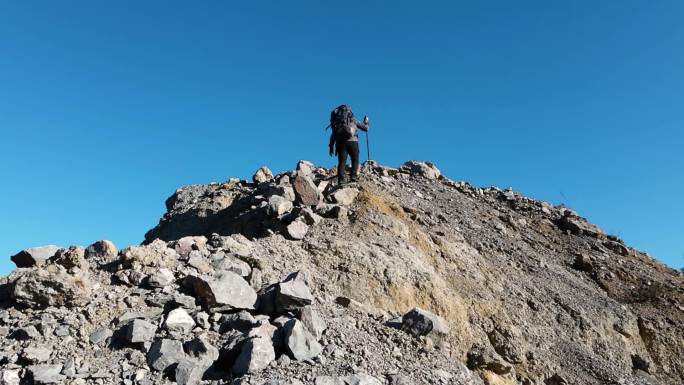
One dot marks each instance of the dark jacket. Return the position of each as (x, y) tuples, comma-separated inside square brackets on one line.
[(355, 138)]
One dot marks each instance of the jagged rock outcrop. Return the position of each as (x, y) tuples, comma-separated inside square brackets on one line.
[(407, 277)]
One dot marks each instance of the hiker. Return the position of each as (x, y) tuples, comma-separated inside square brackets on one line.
[(344, 140)]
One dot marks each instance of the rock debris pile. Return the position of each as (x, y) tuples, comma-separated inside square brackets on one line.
[(407, 277)]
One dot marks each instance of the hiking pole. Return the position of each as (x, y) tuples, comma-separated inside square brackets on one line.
[(365, 120)]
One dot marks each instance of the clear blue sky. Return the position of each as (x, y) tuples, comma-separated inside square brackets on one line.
[(107, 107)]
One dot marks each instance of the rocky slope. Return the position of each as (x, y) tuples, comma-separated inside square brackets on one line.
[(406, 278)]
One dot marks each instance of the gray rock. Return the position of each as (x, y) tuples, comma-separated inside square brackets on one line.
[(179, 321), (200, 356), (241, 321), (61, 331), (263, 174), (185, 301), (419, 322), (10, 377), (200, 350), (278, 205), (235, 244), (36, 354), (50, 286), (230, 263), (226, 289), (161, 278), (297, 230), (103, 249), (292, 294), (313, 321), (202, 320), (257, 352), (189, 373), (399, 379), (306, 192), (304, 167), (164, 353), (46, 374), (186, 245), (578, 226), (300, 344), (345, 196), (34, 256), (140, 331), (26, 333), (72, 257), (199, 262), (425, 169), (309, 217), (100, 335)]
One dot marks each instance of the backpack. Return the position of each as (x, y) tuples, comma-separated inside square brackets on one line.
[(341, 122)]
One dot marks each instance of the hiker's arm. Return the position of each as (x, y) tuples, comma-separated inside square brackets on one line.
[(361, 125), (331, 145)]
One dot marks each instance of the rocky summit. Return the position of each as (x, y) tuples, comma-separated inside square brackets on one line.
[(407, 277)]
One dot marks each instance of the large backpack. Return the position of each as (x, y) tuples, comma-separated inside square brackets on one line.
[(341, 119)]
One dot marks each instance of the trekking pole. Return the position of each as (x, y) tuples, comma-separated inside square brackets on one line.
[(365, 120), (367, 146)]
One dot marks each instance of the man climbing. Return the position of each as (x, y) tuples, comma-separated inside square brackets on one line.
[(344, 140)]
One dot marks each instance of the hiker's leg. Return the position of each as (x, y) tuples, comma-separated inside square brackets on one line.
[(354, 154), (341, 161)]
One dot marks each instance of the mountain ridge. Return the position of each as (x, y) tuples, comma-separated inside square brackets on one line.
[(532, 293)]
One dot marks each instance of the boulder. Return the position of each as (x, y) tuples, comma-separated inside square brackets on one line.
[(179, 321), (345, 196), (46, 374), (297, 230), (313, 321), (103, 249), (200, 350), (10, 377), (200, 355), (257, 352), (36, 354), (189, 373), (165, 352), (230, 263), (304, 167), (156, 254), (425, 169), (292, 294), (140, 331), (34, 256), (300, 344), (161, 278), (309, 217), (225, 289), (419, 322), (100, 335), (235, 244), (51, 286), (263, 174), (241, 321), (578, 225), (187, 244), (277, 206), (73, 257), (306, 192)]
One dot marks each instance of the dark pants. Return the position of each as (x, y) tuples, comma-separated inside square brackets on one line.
[(344, 148)]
